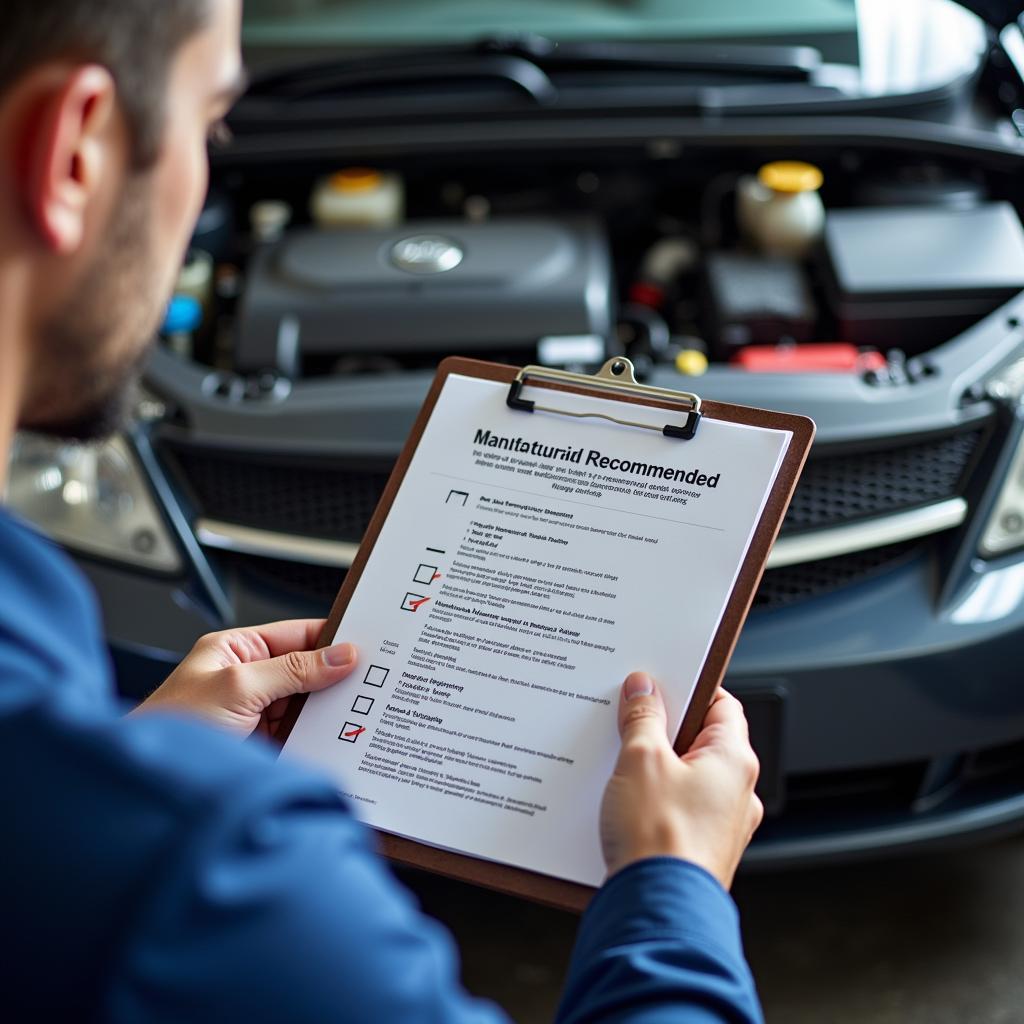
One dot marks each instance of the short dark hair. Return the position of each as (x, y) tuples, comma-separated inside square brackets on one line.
[(136, 40)]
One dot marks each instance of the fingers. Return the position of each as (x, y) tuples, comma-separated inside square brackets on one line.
[(724, 726), (291, 635), (272, 717), (642, 713), (725, 735), (297, 671), (756, 816), (727, 711)]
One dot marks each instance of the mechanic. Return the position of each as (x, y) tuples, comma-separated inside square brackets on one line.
[(157, 867)]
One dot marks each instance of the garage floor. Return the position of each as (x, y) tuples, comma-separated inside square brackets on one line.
[(937, 939)]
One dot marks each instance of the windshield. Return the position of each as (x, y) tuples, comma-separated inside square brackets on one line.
[(894, 46), (376, 22)]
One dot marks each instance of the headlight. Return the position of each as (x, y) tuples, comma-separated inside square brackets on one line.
[(92, 499), (1004, 530)]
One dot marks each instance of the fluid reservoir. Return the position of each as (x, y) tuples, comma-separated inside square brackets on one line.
[(358, 197), (780, 210)]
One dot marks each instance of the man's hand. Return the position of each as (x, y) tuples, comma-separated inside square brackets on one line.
[(699, 807), (240, 679)]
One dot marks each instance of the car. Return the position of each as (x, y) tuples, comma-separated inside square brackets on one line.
[(815, 209)]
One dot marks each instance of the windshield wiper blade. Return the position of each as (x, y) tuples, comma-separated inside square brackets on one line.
[(409, 67), (527, 62), (779, 63)]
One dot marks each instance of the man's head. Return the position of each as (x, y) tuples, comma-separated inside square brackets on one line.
[(105, 109)]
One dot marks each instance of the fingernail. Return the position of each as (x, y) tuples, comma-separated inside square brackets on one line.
[(339, 655), (638, 684)]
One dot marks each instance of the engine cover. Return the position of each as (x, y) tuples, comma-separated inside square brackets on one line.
[(430, 287)]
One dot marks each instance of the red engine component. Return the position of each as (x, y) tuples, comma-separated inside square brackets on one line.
[(826, 357)]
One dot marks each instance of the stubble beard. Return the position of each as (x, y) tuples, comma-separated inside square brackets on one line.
[(91, 352)]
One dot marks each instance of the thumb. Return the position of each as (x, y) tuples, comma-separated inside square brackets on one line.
[(642, 713), (298, 672)]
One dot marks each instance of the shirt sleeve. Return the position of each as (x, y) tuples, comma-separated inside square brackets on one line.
[(660, 944)]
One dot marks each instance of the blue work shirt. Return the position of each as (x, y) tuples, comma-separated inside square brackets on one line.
[(156, 870)]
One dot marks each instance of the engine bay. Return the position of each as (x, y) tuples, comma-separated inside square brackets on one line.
[(763, 263)]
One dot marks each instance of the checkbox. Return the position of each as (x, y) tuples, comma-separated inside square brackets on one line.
[(414, 602), (376, 675), (362, 705), (351, 732), (426, 574), (457, 498)]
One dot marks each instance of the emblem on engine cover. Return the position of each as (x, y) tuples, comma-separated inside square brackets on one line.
[(426, 254)]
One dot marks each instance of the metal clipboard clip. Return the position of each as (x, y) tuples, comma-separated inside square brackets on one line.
[(616, 375)]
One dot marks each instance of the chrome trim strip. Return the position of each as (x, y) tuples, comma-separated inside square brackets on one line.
[(840, 540), (874, 533), (270, 544)]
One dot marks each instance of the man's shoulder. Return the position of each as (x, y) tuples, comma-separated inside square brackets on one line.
[(49, 624), (22, 545)]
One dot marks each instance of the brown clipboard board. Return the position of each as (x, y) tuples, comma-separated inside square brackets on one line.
[(520, 881)]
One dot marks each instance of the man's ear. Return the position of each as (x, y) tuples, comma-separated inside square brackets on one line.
[(69, 144)]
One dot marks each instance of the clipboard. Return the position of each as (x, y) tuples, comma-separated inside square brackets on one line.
[(685, 411)]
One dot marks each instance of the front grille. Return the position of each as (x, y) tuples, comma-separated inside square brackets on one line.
[(996, 763), (793, 583), (779, 587), (887, 794), (838, 489), (877, 788), (334, 500), (312, 497), (314, 584)]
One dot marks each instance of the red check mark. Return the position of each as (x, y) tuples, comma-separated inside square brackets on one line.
[(415, 605), (355, 732), (436, 576)]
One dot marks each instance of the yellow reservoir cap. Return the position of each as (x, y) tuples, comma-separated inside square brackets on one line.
[(791, 177), (692, 362), (355, 179)]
